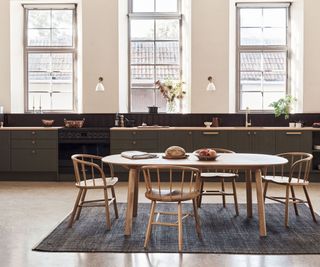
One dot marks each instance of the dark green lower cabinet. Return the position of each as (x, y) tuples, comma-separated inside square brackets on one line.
[(240, 141), (293, 141), (213, 139), (175, 138), (5, 151)]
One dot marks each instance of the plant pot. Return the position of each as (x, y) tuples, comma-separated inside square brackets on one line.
[(153, 110)]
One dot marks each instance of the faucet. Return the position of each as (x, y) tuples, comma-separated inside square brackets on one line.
[(248, 122)]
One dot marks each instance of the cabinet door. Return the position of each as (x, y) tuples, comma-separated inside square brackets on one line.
[(175, 138), (213, 139), (240, 141), (5, 151), (263, 142), (293, 141)]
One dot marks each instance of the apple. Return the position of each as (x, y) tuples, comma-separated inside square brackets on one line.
[(202, 152), (212, 153)]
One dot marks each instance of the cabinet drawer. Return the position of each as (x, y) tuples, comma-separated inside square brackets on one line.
[(134, 134), (34, 143), (35, 160), (218, 139), (134, 144), (34, 134)]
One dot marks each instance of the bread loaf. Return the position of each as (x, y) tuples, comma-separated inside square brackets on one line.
[(175, 152)]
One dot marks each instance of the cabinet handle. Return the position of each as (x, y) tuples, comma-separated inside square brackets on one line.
[(33, 133), (33, 142), (249, 133), (210, 133), (33, 152), (190, 133), (293, 133), (133, 133), (134, 142), (254, 133)]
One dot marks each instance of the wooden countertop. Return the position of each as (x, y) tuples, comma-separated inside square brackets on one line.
[(161, 128), (30, 128)]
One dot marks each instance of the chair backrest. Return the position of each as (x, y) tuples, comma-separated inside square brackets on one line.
[(171, 179), (89, 167), (298, 166)]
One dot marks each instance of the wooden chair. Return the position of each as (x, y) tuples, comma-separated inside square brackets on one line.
[(220, 175), (298, 170), (89, 174), (187, 188)]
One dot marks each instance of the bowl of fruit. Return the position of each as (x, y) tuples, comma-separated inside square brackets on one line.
[(206, 154)]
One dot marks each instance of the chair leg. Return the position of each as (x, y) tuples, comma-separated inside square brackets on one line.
[(75, 207), (83, 196), (266, 183), (286, 218), (180, 237), (223, 190), (107, 208), (199, 200), (149, 227), (114, 203), (309, 203), (235, 196), (294, 199), (196, 217)]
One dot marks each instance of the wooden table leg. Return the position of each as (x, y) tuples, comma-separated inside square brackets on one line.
[(249, 192), (136, 194), (130, 201), (260, 200)]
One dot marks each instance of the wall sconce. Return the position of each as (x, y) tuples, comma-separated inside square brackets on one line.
[(211, 86), (100, 87)]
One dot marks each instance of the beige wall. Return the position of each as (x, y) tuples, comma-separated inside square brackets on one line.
[(5, 55), (209, 56)]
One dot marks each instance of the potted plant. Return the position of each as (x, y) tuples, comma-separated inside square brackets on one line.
[(283, 106)]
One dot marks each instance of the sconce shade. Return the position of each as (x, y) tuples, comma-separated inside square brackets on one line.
[(100, 86), (211, 86)]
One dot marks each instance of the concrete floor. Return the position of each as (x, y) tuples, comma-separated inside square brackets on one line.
[(30, 210)]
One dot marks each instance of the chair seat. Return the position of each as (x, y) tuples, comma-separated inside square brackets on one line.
[(98, 183), (173, 196), (284, 180), (218, 175)]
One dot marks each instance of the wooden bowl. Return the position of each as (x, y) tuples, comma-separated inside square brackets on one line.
[(74, 123), (47, 123)]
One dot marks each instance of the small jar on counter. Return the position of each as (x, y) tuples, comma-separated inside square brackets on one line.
[(121, 120)]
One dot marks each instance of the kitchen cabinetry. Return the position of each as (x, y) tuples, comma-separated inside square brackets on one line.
[(262, 142), (293, 141), (133, 140), (5, 151), (34, 151), (175, 138), (203, 139)]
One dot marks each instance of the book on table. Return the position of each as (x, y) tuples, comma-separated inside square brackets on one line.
[(138, 155)]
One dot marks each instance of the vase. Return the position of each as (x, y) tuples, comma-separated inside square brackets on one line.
[(171, 106)]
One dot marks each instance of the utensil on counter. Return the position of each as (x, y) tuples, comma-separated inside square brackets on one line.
[(73, 123)]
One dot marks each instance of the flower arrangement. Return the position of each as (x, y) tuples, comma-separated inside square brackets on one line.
[(171, 91)]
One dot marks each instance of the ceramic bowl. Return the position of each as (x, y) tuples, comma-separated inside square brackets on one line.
[(207, 123), (47, 123)]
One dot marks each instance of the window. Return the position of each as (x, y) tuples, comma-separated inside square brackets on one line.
[(50, 57), (155, 50), (262, 55)]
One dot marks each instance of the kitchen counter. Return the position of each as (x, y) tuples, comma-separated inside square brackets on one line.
[(166, 128), (30, 128)]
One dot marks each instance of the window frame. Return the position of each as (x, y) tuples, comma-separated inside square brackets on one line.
[(152, 16), (262, 49), (51, 50)]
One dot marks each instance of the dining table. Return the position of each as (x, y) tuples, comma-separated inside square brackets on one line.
[(251, 164)]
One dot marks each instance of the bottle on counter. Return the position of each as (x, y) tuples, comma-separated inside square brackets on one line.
[(121, 120), (116, 121)]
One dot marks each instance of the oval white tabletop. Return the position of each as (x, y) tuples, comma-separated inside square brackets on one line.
[(236, 160)]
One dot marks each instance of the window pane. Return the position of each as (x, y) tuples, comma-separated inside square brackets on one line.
[(274, 82), (161, 102), (39, 62), (167, 29), (62, 19), (142, 52), (167, 53), (62, 101), (39, 19), (274, 36), (61, 37), (250, 81), (251, 100), (143, 5), (251, 36), (250, 17), (250, 61), (275, 61), (142, 29), (39, 37), (166, 6), (62, 62), (141, 99), (168, 73), (275, 17), (268, 98), (142, 75)]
